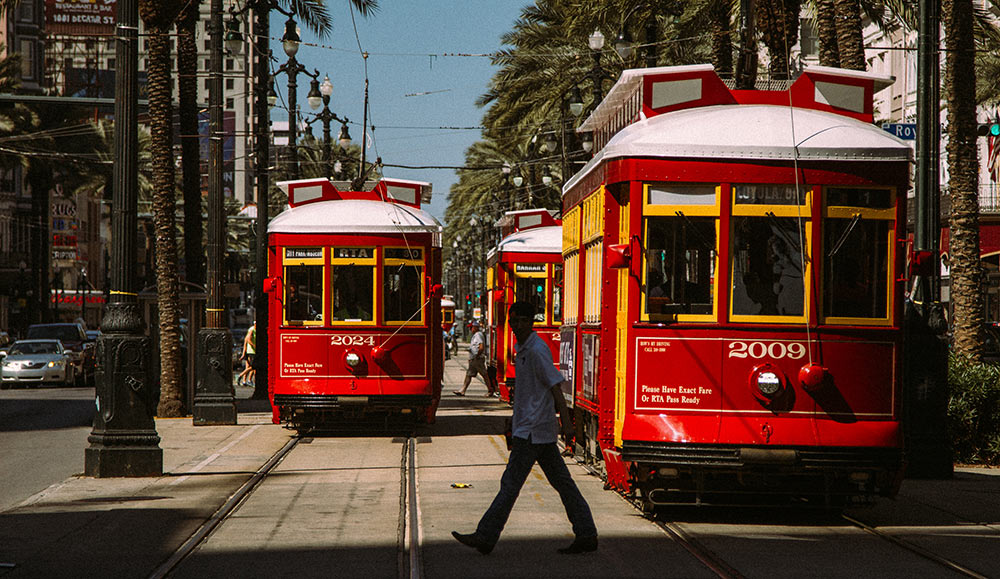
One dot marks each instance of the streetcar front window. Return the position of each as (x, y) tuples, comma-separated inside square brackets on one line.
[(855, 266), (402, 293), (767, 266), (303, 293), (680, 260), (531, 289), (353, 295)]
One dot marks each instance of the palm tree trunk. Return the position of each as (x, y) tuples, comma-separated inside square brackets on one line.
[(826, 26), (164, 205), (963, 165), (722, 39), (850, 43), (187, 72)]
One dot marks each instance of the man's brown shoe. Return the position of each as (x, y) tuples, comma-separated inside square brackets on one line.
[(475, 541)]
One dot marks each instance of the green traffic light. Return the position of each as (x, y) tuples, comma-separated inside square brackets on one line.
[(989, 130)]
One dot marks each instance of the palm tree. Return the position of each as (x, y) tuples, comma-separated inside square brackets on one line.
[(158, 16), (826, 26), (187, 73), (778, 25), (850, 44), (967, 273)]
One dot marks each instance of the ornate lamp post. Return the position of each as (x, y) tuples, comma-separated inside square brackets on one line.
[(320, 94), (124, 441), (214, 397), (290, 43)]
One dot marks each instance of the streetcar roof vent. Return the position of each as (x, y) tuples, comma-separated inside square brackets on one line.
[(403, 191), (513, 221), (643, 93)]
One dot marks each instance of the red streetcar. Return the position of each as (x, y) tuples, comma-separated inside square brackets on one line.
[(525, 266), (734, 292), (447, 313), (355, 304)]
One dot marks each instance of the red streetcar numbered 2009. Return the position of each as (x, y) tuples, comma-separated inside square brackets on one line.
[(758, 350)]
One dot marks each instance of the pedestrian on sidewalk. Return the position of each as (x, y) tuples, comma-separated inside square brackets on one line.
[(248, 374), (535, 430), (477, 362)]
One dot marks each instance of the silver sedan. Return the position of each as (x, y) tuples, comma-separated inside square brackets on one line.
[(31, 362)]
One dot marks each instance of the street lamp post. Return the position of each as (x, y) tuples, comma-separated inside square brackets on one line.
[(124, 441), (214, 396), (319, 93), (290, 43)]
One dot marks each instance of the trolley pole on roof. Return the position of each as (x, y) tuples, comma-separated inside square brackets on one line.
[(214, 398), (123, 441), (925, 369)]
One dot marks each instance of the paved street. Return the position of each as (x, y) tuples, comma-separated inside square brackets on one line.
[(332, 508)]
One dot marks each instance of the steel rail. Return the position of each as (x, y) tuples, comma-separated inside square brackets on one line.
[(915, 549), (234, 501), (408, 561)]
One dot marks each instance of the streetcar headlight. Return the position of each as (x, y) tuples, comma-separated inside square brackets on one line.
[(767, 383), (352, 359)]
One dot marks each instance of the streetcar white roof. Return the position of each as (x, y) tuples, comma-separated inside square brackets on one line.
[(758, 132), (354, 216), (446, 303), (537, 240)]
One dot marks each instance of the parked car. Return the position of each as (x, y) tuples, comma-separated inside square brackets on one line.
[(34, 362), (74, 338)]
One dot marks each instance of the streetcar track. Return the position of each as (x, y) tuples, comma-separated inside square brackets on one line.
[(409, 563), (913, 548), (227, 509)]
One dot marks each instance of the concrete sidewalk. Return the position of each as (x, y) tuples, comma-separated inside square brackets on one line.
[(126, 527)]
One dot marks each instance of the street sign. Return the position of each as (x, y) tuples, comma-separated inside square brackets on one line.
[(905, 131)]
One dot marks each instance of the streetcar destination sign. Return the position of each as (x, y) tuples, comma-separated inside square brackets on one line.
[(905, 131)]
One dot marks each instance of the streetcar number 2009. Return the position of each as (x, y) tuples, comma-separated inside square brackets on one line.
[(756, 350), (352, 340)]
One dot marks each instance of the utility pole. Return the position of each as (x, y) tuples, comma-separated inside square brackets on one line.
[(925, 368), (262, 159), (123, 441), (214, 397)]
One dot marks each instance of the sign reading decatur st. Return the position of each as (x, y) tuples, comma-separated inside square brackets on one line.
[(80, 17)]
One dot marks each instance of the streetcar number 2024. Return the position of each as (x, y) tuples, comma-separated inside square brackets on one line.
[(756, 350), (352, 340)]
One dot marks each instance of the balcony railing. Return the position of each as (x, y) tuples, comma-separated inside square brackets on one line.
[(989, 198)]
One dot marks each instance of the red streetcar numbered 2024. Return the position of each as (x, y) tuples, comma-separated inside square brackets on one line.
[(352, 340), (758, 350)]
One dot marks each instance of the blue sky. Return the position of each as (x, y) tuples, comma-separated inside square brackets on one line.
[(417, 79)]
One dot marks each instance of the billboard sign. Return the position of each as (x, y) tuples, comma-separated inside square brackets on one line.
[(80, 17)]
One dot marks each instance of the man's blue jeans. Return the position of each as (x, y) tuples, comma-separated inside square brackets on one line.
[(523, 456)]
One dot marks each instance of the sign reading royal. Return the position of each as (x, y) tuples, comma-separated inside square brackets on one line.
[(905, 131), (80, 17)]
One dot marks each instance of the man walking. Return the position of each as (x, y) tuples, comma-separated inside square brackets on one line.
[(534, 431), (477, 361)]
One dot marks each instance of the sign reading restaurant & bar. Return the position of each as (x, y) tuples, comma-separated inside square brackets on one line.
[(80, 17)]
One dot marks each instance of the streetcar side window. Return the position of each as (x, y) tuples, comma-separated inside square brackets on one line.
[(680, 261), (303, 293), (402, 293), (353, 294), (557, 292)]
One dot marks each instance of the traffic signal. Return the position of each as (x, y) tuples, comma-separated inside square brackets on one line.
[(991, 129), (468, 299)]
